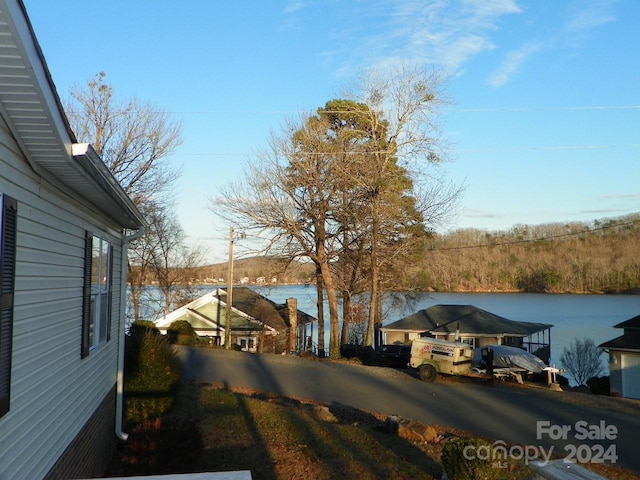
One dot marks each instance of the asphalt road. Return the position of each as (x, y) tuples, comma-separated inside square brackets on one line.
[(573, 424)]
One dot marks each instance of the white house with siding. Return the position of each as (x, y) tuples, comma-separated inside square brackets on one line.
[(624, 360), (64, 230)]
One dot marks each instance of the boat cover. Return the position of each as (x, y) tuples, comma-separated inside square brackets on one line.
[(510, 357)]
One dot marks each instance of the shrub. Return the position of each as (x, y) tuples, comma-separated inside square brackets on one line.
[(182, 333), (466, 459), (182, 327), (140, 327), (599, 385), (152, 370)]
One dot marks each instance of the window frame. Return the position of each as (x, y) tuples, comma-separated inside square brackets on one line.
[(469, 340), (8, 237), (97, 293)]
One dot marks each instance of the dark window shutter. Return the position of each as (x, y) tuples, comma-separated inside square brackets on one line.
[(8, 231), (86, 294)]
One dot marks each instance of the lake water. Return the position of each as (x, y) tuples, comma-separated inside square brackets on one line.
[(591, 316), (572, 316)]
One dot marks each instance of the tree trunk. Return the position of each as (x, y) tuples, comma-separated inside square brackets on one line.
[(373, 297), (320, 304), (346, 317), (332, 298)]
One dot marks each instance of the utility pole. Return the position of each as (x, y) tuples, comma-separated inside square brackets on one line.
[(227, 326)]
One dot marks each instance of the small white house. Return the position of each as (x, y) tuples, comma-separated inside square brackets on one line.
[(624, 360), (471, 325), (63, 243), (257, 324)]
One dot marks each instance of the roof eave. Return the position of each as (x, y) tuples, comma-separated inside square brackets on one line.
[(124, 210), (32, 110)]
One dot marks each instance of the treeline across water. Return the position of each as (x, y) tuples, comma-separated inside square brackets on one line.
[(601, 257), (579, 257)]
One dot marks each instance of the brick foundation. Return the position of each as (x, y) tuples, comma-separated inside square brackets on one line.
[(90, 453)]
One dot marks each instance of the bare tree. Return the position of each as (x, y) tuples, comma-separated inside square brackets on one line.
[(582, 360), (134, 138), (171, 260), (404, 145), (334, 188), (288, 193)]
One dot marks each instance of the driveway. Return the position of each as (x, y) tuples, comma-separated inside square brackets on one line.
[(583, 426)]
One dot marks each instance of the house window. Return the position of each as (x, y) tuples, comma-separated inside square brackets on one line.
[(96, 314), (469, 340), (8, 229), (247, 344)]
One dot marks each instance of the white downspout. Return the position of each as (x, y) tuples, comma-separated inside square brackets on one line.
[(123, 303)]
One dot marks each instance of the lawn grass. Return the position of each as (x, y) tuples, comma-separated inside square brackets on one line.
[(214, 428)]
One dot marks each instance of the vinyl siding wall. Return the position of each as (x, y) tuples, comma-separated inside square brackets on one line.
[(615, 374), (53, 391)]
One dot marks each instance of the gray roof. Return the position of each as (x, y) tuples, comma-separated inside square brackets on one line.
[(261, 308), (631, 338), (631, 323), (465, 318), (624, 342)]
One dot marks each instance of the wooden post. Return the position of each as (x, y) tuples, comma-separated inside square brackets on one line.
[(292, 308), (227, 327)]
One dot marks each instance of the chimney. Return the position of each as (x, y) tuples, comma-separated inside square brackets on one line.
[(292, 308)]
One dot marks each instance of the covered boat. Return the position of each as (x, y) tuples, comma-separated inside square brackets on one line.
[(509, 357)]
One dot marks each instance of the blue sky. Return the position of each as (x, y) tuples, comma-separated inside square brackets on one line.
[(544, 120)]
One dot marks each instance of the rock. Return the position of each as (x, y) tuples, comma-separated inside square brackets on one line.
[(555, 387), (412, 430), (323, 414), (392, 424)]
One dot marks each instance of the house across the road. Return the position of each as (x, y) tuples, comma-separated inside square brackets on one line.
[(471, 325), (257, 323), (624, 360)]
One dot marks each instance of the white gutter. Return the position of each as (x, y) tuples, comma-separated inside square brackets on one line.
[(123, 295)]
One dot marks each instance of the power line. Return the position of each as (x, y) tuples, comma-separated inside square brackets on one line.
[(464, 150), (521, 241), (544, 109), (550, 147), (540, 239), (450, 110)]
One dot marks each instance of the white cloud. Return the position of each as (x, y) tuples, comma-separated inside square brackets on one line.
[(512, 63), (621, 195), (588, 15), (581, 17), (475, 213), (294, 6), (447, 33)]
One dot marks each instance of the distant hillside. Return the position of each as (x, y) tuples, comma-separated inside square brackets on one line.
[(579, 257), (257, 270), (598, 257)]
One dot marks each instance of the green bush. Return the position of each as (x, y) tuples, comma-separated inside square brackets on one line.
[(182, 327), (182, 333), (140, 327), (152, 370), (599, 385), (469, 459)]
